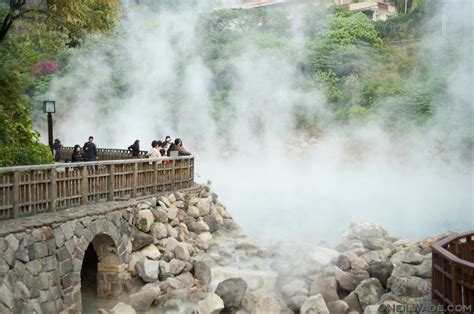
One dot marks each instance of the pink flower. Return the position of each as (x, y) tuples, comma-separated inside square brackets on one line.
[(45, 67)]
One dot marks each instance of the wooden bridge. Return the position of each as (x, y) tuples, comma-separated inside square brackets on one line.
[(28, 190)]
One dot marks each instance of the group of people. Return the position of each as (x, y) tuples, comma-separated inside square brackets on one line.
[(88, 152), (159, 148)]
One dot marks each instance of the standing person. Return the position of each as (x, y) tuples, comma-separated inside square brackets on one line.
[(76, 154), (161, 148), (135, 149), (90, 151), (57, 147), (166, 144)]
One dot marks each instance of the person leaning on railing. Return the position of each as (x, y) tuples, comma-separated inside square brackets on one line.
[(135, 149), (154, 151), (178, 146), (77, 154)]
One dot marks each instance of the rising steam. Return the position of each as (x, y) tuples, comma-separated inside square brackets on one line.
[(278, 184)]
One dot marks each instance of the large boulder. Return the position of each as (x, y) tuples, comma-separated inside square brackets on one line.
[(406, 257), (204, 205), (142, 300), (231, 292), (198, 226), (148, 270), (314, 305), (160, 214), (202, 272), (295, 302), (381, 271), (327, 287), (144, 220), (322, 256), (369, 292), (212, 304), (359, 263), (412, 287), (352, 301)]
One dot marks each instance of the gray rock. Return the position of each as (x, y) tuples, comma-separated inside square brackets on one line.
[(202, 272), (359, 263), (406, 257), (181, 252), (424, 270), (338, 307), (295, 302), (372, 309), (314, 305), (172, 232), (186, 279), (176, 266), (231, 291), (204, 205), (359, 275), (363, 231), (179, 196), (267, 305), (212, 304), (172, 212), (352, 301), (165, 270), (193, 211), (296, 286), (122, 308), (144, 220), (343, 262), (404, 270), (147, 270), (327, 287), (160, 215), (377, 244), (377, 255), (369, 292), (140, 240), (381, 271), (346, 280), (165, 201), (412, 287), (142, 300), (212, 223), (198, 226), (159, 230)]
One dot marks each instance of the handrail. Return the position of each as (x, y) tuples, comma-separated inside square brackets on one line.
[(29, 190), (440, 247), (88, 163), (453, 272)]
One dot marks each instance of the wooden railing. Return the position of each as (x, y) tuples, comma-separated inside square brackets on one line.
[(453, 272), (28, 190), (103, 154)]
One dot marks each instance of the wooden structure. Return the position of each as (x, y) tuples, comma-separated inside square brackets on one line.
[(28, 190), (103, 153), (453, 272)]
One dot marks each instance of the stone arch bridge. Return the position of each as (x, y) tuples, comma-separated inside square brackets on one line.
[(52, 216)]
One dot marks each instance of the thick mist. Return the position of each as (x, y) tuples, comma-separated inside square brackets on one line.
[(279, 184)]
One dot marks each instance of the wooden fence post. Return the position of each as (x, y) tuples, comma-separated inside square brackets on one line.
[(84, 185), (111, 183), (15, 194), (135, 179), (155, 177), (173, 175), (52, 190)]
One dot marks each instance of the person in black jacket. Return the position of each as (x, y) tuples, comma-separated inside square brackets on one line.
[(76, 154), (178, 146), (57, 147), (90, 151), (135, 149)]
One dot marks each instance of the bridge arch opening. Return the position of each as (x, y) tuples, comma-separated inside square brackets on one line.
[(101, 272)]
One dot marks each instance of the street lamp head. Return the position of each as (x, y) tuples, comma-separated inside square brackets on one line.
[(49, 106)]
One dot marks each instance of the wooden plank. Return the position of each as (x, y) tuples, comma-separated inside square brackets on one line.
[(111, 183), (15, 194), (52, 191), (84, 185), (135, 180)]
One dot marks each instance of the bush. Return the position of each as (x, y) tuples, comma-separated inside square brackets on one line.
[(33, 154)]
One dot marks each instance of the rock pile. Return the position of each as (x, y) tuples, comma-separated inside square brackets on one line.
[(180, 238)]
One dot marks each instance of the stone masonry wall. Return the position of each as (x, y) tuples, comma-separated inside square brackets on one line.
[(41, 257)]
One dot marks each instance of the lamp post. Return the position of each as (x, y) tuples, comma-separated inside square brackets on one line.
[(49, 107)]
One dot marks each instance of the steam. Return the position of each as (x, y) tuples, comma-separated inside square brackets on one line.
[(277, 183)]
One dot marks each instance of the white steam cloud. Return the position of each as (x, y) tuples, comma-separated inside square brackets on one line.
[(278, 185)]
